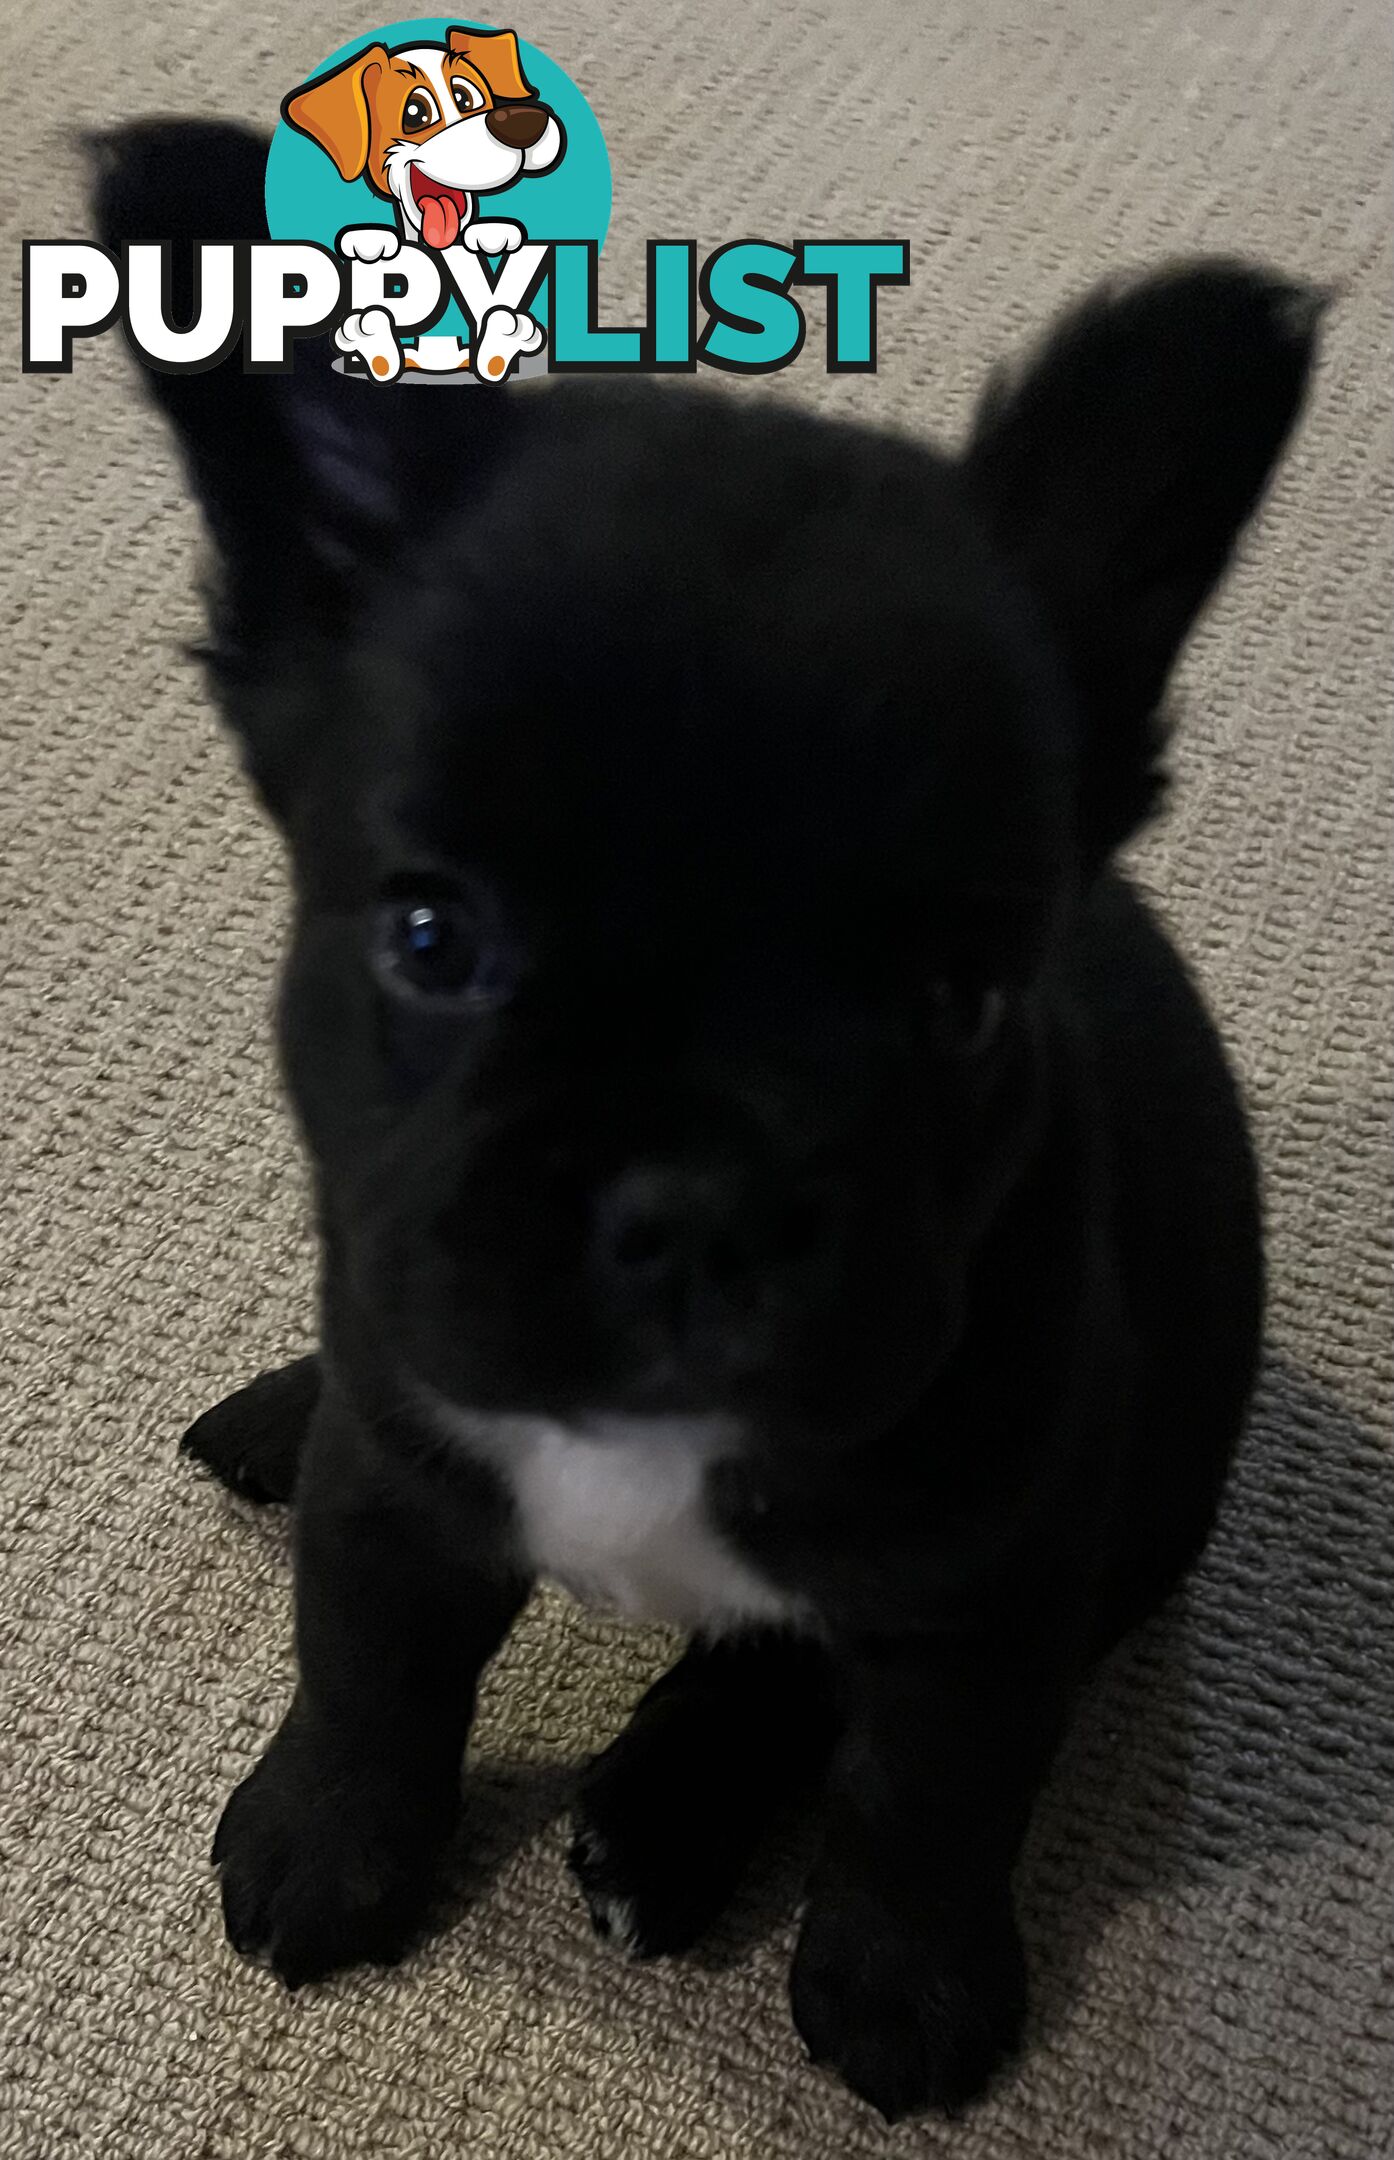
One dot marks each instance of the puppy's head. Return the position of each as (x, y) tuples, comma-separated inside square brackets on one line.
[(397, 119), (688, 803)]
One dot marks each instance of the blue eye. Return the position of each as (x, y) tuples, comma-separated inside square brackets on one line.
[(427, 933), (443, 948)]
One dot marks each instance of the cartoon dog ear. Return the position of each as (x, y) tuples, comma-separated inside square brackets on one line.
[(1117, 467), (333, 110), (495, 53)]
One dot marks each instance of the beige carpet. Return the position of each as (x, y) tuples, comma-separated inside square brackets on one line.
[(1209, 1893)]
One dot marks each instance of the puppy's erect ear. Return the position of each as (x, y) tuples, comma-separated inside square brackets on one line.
[(1117, 468), (333, 110), (495, 53), (309, 479), (273, 458)]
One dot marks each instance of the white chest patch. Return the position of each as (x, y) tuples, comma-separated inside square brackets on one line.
[(617, 1515)]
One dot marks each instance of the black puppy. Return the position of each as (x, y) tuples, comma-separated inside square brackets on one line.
[(773, 1173)]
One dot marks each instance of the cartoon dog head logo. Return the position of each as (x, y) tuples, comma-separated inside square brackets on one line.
[(431, 128), (392, 187)]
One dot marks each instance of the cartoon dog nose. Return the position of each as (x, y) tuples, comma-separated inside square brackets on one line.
[(518, 126)]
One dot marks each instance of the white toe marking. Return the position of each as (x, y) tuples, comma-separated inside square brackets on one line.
[(619, 1923), (591, 1849)]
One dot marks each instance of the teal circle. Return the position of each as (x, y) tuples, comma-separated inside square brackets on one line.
[(306, 199)]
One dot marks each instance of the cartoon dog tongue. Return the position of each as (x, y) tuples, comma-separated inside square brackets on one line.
[(440, 221)]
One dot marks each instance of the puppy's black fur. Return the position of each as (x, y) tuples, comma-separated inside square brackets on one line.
[(710, 993)]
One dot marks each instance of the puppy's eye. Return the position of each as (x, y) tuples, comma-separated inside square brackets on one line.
[(966, 1016), (443, 948), (467, 98), (419, 112)]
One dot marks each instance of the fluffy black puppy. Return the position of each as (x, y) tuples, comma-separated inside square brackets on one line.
[(773, 1173)]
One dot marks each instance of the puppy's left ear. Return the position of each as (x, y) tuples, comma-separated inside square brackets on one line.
[(1117, 469)]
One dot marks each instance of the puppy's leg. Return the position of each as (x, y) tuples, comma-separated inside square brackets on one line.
[(669, 1816), (909, 1978), (330, 1850), (253, 1439)]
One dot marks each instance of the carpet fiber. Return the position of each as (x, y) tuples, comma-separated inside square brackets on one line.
[(1208, 1892)]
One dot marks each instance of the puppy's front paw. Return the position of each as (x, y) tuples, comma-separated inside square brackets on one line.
[(910, 2016), (651, 1888), (660, 1841), (323, 1868), (253, 1440)]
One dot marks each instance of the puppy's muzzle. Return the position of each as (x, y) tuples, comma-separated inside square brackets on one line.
[(518, 126), (673, 1238)]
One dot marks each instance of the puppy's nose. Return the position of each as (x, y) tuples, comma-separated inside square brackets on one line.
[(665, 1234), (519, 126)]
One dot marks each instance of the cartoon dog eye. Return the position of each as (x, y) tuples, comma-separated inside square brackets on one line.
[(419, 112), (468, 98)]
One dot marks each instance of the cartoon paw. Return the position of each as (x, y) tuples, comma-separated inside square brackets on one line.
[(370, 243), (504, 337), (368, 333), (493, 236)]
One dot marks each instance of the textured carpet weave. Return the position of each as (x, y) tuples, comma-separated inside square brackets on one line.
[(1208, 1891)]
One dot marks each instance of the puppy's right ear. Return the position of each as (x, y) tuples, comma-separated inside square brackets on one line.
[(307, 478), (276, 460)]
